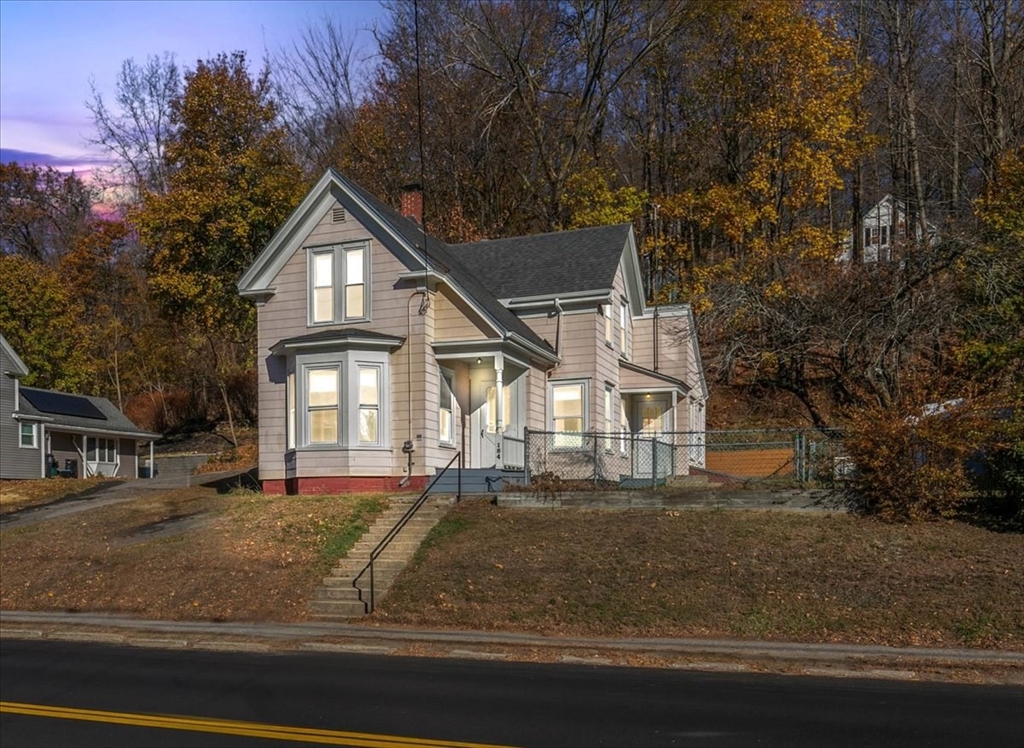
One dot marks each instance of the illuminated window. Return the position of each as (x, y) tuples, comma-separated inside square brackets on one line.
[(369, 404), (322, 399), (567, 415)]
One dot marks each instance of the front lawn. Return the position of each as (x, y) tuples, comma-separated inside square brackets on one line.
[(716, 573)]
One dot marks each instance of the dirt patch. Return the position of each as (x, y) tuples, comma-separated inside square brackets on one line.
[(190, 554), (727, 574)]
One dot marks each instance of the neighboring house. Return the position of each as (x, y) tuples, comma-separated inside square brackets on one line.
[(79, 435), (383, 352), (883, 226)]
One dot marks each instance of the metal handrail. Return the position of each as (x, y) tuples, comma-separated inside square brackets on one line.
[(368, 605)]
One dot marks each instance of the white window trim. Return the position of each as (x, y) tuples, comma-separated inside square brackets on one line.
[(35, 435), (340, 282), (585, 408), (609, 331), (291, 408), (348, 364), (360, 406), (308, 410)]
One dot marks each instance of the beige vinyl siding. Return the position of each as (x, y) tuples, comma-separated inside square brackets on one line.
[(454, 319), (394, 311)]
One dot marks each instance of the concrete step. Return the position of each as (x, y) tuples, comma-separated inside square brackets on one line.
[(336, 609), (337, 599)]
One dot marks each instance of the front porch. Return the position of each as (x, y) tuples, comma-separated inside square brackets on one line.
[(482, 406)]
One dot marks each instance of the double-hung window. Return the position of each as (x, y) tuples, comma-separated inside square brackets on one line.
[(322, 399), (338, 400), (323, 286), (339, 277), (567, 414), (369, 404), (28, 435), (355, 283), (608, 324), (445, 409)]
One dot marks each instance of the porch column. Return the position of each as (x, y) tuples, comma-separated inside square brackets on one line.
[(42, 448), (85, 455), (499, 405), (152, 465)]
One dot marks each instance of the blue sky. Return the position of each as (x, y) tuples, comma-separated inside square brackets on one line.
[(50, 49)]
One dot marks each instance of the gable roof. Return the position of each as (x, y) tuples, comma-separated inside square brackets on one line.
[(440, 257), (19, 369), (561, 262), (114, 422)]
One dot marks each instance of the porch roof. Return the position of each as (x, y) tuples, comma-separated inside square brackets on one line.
[(633, 378), (113, 423)]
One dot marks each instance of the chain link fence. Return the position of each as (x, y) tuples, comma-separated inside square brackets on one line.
[(623, 460)]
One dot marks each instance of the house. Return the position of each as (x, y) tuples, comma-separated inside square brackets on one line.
[(383, 352), (44, 430), (884, 226)]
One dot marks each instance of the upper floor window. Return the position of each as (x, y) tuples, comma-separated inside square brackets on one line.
[(339, 277), (608, 324)]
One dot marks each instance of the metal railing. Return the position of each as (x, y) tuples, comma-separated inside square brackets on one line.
[(368, 605), (628, 460), (513, 451)]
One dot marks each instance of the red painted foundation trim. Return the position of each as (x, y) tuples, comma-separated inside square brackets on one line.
[(343, 484)]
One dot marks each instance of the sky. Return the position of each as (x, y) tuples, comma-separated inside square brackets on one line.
[(50, 50)]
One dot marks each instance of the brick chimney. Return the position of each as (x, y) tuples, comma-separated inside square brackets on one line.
[(411, 205)]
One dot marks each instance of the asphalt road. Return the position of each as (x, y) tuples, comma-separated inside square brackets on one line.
[(68, 694)]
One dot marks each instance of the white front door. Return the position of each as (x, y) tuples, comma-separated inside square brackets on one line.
[(484, 421), (653, 417)]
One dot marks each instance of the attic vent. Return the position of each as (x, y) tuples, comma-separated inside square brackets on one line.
[(338, 215)]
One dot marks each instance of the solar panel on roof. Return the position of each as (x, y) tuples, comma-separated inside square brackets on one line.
[(64, 405)]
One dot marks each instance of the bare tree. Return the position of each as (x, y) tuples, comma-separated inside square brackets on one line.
[(137, 130), (317, 84)]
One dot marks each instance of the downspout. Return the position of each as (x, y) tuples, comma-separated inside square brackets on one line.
[(558, 329), (655, 337), (410, 446)]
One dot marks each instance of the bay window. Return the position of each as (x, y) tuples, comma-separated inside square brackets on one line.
[(341, 400), (322, 405), (369, 404)]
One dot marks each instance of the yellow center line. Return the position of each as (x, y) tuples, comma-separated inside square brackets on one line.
[(233, 727)]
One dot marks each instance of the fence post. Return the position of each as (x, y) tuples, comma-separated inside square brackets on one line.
[(654, 462), (798, 457), (593, 437), (526, 455)]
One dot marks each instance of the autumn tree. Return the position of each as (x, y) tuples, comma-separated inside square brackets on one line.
[(231, 183), (42, 211), (43, 320)]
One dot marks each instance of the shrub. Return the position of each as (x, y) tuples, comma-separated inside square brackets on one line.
[(913, 467)]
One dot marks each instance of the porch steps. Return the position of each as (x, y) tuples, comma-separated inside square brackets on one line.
[(336, 599), (479, 480)]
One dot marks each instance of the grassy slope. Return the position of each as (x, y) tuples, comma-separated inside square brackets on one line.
[(717, 574)]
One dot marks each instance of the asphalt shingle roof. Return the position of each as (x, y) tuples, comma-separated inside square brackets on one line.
[(441, 257), (116, 421), (562, 262)]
